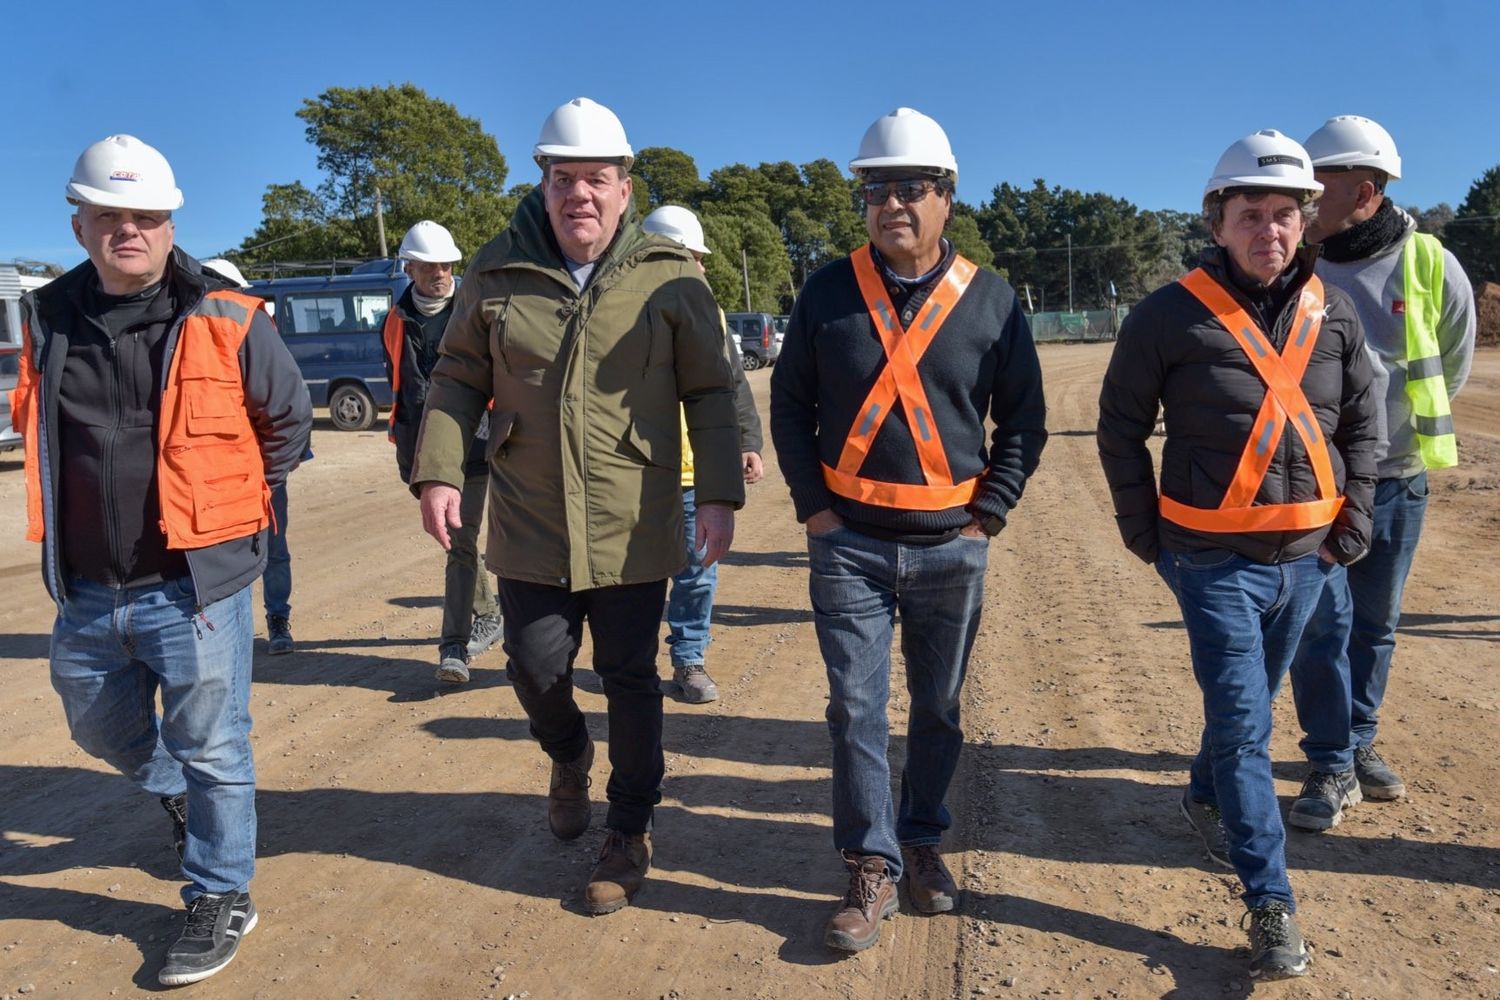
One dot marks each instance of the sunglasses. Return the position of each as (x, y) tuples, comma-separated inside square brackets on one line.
[(906, 192)]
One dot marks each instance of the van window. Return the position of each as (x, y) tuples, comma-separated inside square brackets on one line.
[(336, 312)]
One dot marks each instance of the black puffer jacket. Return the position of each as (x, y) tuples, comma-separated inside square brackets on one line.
[(1172, 353)]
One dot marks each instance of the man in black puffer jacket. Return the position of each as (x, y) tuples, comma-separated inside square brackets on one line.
[(1267, 481)]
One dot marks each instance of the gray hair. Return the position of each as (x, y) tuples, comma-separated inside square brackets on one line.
[(1213, 203)]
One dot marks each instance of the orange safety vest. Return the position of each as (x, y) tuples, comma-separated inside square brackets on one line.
[(1284, 404), (899, 379), (209, 470), (393, 336)]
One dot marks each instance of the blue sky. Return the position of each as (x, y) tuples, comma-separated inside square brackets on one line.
[(1135, 100)]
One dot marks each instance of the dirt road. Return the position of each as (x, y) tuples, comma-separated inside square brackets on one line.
[(404, 850)]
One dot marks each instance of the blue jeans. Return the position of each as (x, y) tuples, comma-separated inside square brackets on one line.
[(277, 581), (690, 603), (112, 652), (1363, 622), (1243, 621), (858, 584)]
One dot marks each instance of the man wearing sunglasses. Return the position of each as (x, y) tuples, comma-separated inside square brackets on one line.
[(894, 358)]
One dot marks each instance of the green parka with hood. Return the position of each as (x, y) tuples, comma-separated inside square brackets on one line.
[(584, 452)]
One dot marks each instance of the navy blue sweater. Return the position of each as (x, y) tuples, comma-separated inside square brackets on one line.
[(981, 364)]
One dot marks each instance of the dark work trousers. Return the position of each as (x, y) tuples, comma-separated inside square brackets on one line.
[(543, 629)]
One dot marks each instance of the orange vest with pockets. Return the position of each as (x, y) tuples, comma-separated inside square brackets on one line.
[(209, 470), (900, 380), (1284, 404)]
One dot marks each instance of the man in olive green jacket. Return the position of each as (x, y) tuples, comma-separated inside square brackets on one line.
[(587, 333)]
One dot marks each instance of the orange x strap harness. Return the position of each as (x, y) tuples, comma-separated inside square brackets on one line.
[(899, 380), (1284, 404)]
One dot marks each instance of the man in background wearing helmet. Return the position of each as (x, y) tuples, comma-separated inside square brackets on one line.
[(159, 409), (1266, 480), (690, 601), (894, 358), (1417, 309), (587, 333), (276, 582), (412, 334)]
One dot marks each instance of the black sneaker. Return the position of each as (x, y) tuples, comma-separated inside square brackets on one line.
[(215, 925), (1324, 797), (1206, 821), (278, 635), (1376, 779), (176, 807), (453, 663), (485, 632), (1276, 948)]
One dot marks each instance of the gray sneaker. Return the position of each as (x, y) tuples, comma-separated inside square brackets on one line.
[(453, 663), (1206, 821), (1276, 947), (695, 684), (484, 634), (1324, 797), (1376, 779)]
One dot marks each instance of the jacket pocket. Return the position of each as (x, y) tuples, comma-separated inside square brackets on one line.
[(654, 447), (229, 501), (214, 407), (501, 426)]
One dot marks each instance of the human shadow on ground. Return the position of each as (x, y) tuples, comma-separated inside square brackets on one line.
[(780, 560), (740, 615), (150, 927), (407, 679), (25, 646), (432, 601)]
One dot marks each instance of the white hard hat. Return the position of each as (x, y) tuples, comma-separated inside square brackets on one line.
[(225, 269), (121, 171), (1264, 159), (430, 243), (582, 130), (905, 138), (1353, 141), (677, 223)]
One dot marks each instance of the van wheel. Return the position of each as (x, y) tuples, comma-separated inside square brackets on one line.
[(351, 408), (750, 361)]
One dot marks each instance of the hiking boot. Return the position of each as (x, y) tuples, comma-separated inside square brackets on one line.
[(278, 635), (1276, 948), (1324, 797), (484, 633), (215, 925), (696, 686), (1206, 821), (453, 663), (568, 797), (176, 807), (870, 899), (619, 873), (929, 884), (1376, 779)]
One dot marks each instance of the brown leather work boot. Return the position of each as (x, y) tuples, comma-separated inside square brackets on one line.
[(619, 873), (568, 796), (870, 899), (928, 881)]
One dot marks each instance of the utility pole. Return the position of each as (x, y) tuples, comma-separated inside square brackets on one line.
[(380, 220), (745, 271), (1070, 272)]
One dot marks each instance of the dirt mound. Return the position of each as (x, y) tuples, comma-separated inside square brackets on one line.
[(1487, 297)]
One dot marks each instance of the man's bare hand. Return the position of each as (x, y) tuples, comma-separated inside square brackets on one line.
[(715, 531), (753, 468), (440, 503)]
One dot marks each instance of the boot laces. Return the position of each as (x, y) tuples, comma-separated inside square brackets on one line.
[(1321, 785), (928, 861), (1272, 923), (864, 886)]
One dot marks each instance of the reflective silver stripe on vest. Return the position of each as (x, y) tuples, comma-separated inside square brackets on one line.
[(223, 309), (1433, 426), (1418, 368)]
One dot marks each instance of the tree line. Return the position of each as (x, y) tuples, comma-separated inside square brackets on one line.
[(780, 220)]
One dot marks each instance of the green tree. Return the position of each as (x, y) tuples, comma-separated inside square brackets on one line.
[(1474, 233), (665, 176), (1431, 220), (295, 226), (427, 160), (769, 266), (963, 232)]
